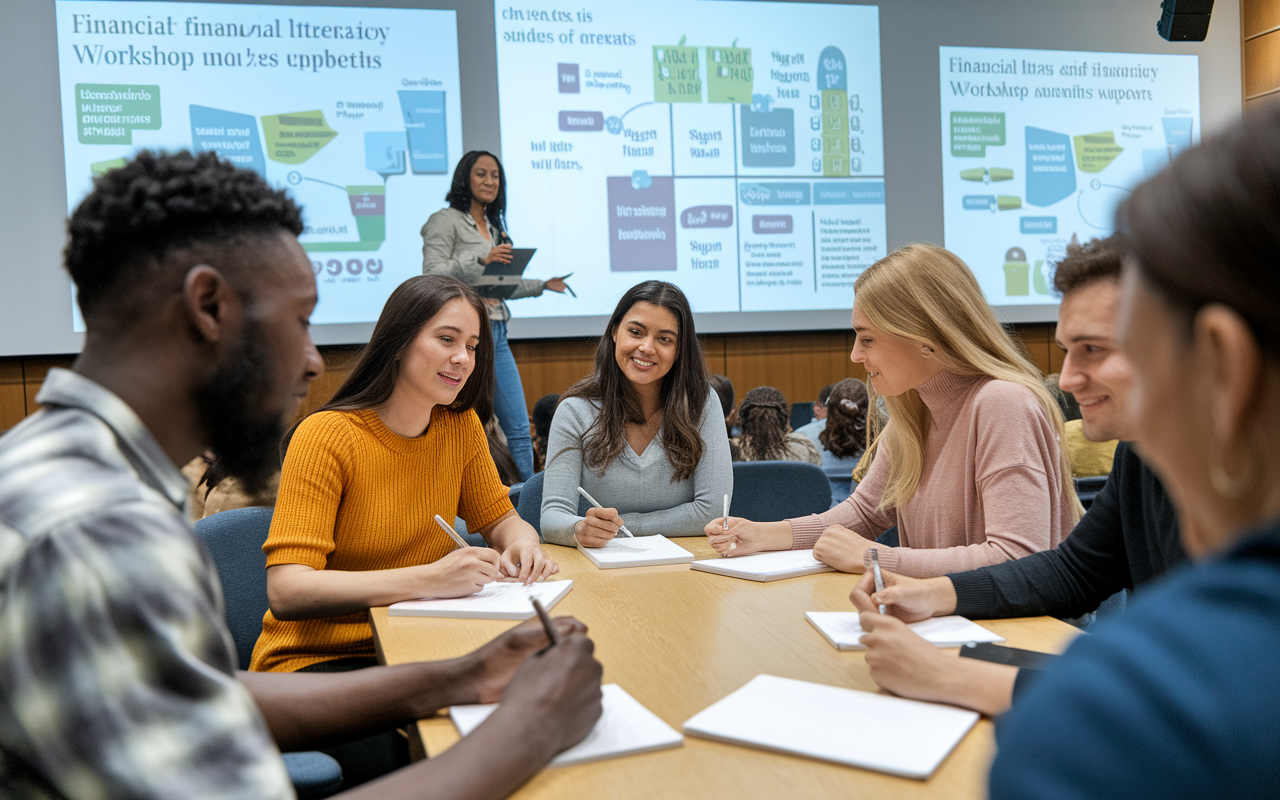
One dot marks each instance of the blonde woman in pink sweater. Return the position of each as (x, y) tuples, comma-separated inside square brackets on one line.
[(970, 466)]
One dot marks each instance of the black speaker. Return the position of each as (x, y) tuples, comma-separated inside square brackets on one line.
[(1184, 20)]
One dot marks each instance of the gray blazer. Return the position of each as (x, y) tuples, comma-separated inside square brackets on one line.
[(453, 245)]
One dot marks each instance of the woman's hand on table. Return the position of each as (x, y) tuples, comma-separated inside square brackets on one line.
[(841, 548), (526, 562), (500, 254), (909, 599), (745, 537), (461, 573), (598, 528)]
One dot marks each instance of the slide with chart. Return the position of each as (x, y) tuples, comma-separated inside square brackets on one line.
[(354, 110), (733, 148), (1040, 146)]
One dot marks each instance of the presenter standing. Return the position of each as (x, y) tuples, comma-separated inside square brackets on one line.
[(460, 241)]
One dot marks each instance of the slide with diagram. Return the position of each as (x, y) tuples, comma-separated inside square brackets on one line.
[(1040, 147), (355, 111), (733, 148)]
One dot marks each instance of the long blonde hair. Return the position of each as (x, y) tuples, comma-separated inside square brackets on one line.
[(926, 294)]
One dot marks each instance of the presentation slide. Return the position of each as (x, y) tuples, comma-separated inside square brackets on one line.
[(354, 110), (733, 148), (1040, 146)]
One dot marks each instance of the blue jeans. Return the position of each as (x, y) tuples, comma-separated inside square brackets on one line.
[(508, 401)]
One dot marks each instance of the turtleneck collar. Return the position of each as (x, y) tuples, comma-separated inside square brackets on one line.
[(943, 390)]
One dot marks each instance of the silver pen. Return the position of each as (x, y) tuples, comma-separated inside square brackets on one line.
[(593, 502), (875, 568)]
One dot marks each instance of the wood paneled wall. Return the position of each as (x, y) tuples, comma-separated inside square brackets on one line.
[(1260, 52), (798, 364)]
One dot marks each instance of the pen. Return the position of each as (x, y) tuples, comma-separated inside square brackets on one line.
[(452, 533), (875, 567), (552, 634), (725, 520), (593, 502)]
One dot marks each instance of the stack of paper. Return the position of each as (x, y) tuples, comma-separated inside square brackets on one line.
[(497, 600), (844, 630), (625, 728), (641, 551), (872, 731), (765, 566)]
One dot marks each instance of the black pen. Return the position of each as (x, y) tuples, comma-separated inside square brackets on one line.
[(552, 634)]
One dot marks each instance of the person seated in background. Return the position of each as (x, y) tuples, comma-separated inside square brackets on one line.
[(813, 428), (1089, 458), (1176, 697), (543, 411), (723, 387), (117, 672), (643, 433), (364, 476), (1128, 538), (766, 430), (969, 466), (844, 436)]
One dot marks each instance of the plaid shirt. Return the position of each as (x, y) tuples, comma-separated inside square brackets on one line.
[(117, 672)]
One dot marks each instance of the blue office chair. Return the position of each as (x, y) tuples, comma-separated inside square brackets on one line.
[(801, 415), (530, 506), (234, 539), (1088, 488), (770, 491), (842, 483)]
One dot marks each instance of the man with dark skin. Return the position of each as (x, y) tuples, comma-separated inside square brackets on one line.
[(197, 299)]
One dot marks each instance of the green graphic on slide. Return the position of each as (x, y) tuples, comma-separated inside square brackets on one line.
[(294, 138), (103, 167), (369, 205), (1017, 273), (973, 131), (676, 74), (108, 113), (1094, 151), (730, 77), (1008, 202)]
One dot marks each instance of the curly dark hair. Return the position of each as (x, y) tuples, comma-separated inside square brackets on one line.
[(845, 434), (1095, 260), (121, 235), (766, 421), (459, 196)]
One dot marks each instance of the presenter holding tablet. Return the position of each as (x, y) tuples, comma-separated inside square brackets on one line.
[(468, 240)]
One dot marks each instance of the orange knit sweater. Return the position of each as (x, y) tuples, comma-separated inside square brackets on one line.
[(356, 496)]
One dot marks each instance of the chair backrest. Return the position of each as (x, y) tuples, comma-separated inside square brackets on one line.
[(1088, 488), (234, 539), (801, 414), (530, 506), (769, 491)]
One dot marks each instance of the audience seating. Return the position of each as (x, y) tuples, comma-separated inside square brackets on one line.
[(801, 415), (234, 539), (842, 483), (769, 491)]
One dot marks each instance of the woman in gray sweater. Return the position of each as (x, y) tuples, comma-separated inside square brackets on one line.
[(643, 434)]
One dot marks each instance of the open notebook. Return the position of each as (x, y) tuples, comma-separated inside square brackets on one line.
[(497, 600), (641, 551), (625, 728), (765, 566), (844, 630), (860, 729)]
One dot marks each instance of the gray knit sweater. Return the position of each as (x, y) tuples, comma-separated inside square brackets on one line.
[(639, 486)]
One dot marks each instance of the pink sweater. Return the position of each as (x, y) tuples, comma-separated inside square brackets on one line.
[(991, 489)]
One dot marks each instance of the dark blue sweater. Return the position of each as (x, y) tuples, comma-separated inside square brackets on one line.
[(1178, 697)]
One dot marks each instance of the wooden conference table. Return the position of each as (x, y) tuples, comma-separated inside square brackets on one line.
[(678, 640)]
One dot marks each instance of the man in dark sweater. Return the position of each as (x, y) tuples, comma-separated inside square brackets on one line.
[(1128, 537)]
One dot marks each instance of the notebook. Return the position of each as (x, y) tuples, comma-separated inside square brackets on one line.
[(625, 728), (860, 729), (765, 566), (497, 600), (641, 551), (844, 630)]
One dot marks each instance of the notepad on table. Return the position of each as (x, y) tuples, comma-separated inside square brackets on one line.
[(497, 600), (625, 728), (765, 566), (860, 729), (844, 630), (640, 551)]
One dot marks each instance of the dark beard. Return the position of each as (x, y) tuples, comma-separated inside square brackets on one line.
[(244, 436)]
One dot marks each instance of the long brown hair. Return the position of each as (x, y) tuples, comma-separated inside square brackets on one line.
[(845, 434), (684, 389), (766, 422), (410, 307)]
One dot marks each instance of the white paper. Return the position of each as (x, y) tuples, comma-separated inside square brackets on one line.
[(844, 630), (625, 728), (641, 551), (860, 729), (765, 566), (497, 600)]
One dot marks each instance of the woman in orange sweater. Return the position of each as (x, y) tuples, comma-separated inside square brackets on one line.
[(366, 474)]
